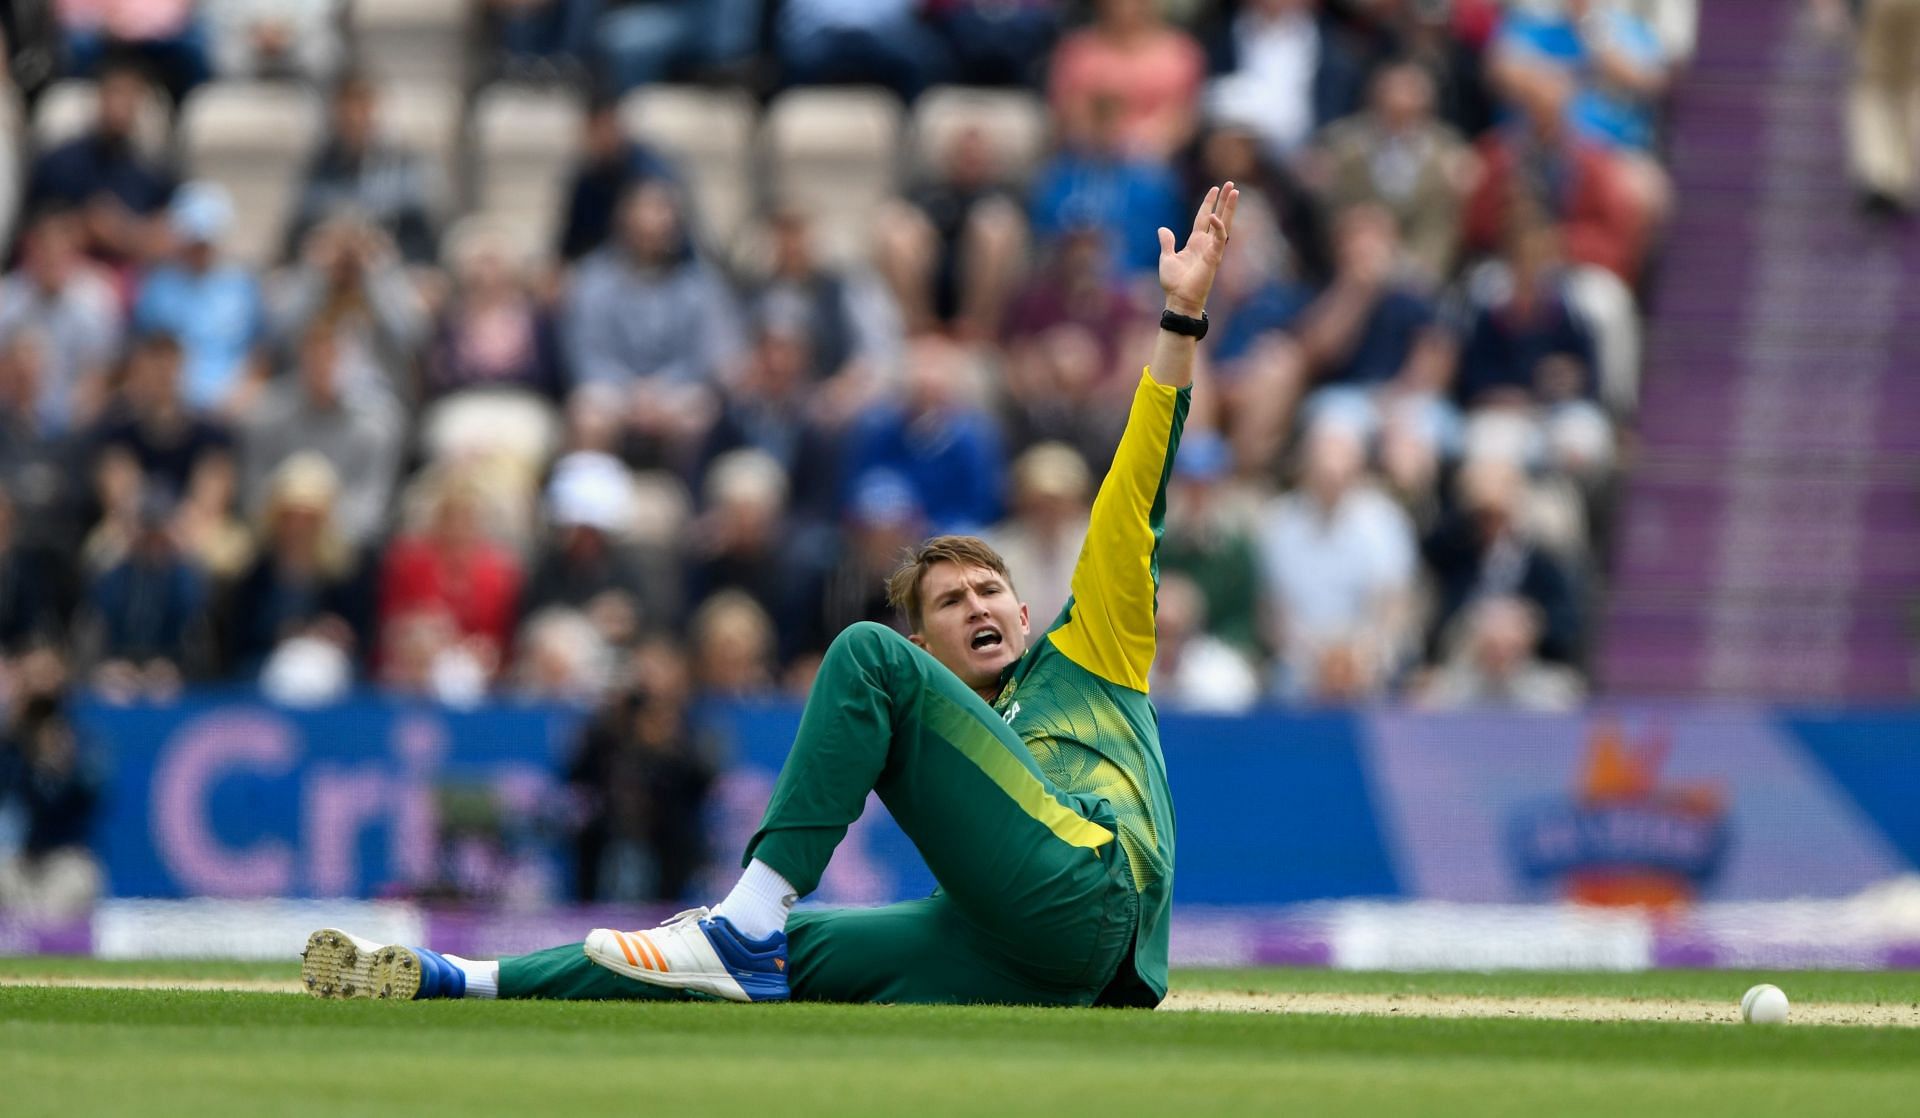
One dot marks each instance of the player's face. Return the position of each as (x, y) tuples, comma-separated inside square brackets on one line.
[(971, 622)]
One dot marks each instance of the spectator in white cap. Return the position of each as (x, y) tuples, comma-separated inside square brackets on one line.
[(589, 562), (214, 307)]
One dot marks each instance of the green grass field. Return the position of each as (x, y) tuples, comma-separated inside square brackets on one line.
[(74, 1052)]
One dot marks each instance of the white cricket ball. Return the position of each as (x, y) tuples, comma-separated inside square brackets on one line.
[(1765, 1004)]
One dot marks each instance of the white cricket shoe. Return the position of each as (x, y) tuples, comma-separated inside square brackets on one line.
[(698, 952)]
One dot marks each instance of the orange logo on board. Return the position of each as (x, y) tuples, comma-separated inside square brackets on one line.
[(1623, 837)]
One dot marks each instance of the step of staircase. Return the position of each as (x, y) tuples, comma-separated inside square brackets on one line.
[(1767, 544)]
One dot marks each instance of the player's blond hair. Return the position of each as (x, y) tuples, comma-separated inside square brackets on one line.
[(903, 586)]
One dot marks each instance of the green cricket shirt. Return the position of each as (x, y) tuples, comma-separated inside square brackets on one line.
[(1078, 697)]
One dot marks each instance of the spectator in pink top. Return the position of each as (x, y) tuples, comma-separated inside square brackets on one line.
[(1131, 55), (164, 34), (128, 21)]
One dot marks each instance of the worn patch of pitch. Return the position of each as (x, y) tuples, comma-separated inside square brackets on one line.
[(1532, 1009), (1899, 1015)]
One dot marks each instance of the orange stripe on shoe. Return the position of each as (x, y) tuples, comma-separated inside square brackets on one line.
[(621, 939), (649, 955), (658, 955), (648, 958)]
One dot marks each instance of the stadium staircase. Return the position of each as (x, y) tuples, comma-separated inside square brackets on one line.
[(1768, 545)]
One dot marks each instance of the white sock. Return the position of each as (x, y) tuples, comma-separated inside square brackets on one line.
[(759, 904), (483, 976)]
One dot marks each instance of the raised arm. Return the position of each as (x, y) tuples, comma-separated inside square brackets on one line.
[(1108, 628), (1186, 276)]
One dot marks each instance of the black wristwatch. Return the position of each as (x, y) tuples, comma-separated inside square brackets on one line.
[(1195, 328)]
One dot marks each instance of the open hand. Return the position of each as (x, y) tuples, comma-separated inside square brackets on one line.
[(1187, 275)]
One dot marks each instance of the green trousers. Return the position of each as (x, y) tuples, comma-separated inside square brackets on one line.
[(1035, 905)]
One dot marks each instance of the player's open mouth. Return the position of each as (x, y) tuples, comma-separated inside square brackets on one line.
[(986, 638)]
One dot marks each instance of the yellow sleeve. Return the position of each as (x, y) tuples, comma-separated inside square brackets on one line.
[(1108, 629)]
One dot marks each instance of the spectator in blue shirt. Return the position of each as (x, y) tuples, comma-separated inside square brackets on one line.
[(214, 307), (1101, 187), (1616, 56), (645, 41), (945, 446), (855, 42)]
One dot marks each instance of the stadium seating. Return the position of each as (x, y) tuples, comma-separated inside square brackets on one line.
[(709, 134), (1767, 529), (834, 153), (505, 155), (412, 40), (522, 142), (253, 138), (68, 108), (1014, 121), (502, 440), (425, 117)]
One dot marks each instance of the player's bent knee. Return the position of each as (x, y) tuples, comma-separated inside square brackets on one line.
[(865, 641)]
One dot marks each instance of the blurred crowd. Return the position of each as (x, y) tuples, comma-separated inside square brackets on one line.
[(657, 461)]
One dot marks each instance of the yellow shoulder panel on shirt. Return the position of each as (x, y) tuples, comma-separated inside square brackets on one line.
[(1110, 632)]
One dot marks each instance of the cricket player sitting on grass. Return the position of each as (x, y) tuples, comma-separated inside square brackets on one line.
[(1028, 773)]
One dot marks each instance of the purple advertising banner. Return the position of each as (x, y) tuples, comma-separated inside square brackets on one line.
[(1656, 804), (228, 797)]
